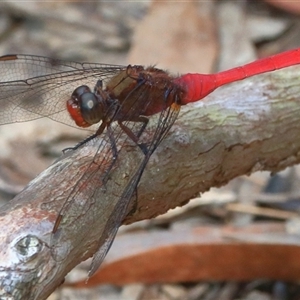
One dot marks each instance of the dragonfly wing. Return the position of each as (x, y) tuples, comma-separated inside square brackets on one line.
[(32, 87), (116, 218), (103, 250), (165, 121), (84, 196)]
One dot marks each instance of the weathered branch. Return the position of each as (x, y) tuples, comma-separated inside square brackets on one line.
[(243, 128), (248, 126)]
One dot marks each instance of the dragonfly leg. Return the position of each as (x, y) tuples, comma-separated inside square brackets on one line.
[(135, 137), (80, 143), (112, 143), (98, 87), (145, 121), (98, 132), (114, 154)]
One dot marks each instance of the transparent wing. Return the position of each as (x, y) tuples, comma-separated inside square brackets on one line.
[(165, 121), (32, 87)]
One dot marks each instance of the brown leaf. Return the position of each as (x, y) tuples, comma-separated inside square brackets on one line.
[(179, 37), (204, 253), (290, 6)]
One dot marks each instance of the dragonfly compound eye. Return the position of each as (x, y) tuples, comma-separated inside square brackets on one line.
[(80, 91), (84, 107), (90, 108)]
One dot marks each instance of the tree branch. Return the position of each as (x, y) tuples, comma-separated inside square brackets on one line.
[(245, 127)]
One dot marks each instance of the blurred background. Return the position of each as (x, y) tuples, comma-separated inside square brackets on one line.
[(189, 36)]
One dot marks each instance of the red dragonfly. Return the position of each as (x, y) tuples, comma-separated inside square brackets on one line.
[(121, 99)]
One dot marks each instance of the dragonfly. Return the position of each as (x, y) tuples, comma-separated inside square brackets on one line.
[(114, 102)]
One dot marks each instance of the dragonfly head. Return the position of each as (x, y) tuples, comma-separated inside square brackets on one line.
[(85, 107)]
